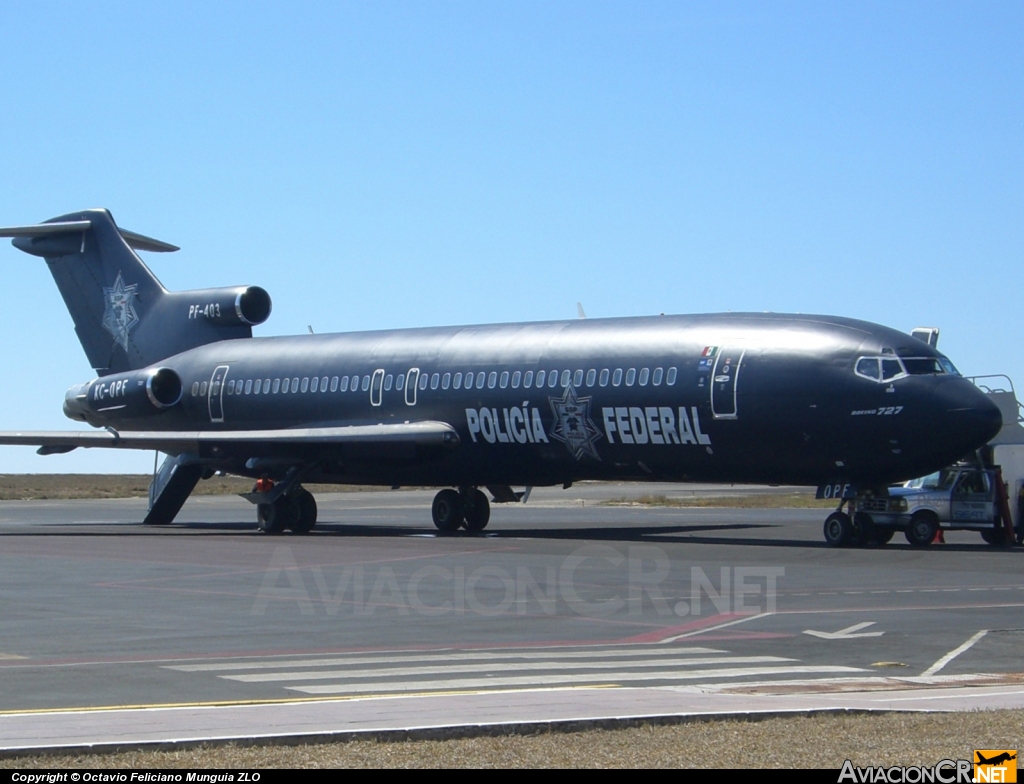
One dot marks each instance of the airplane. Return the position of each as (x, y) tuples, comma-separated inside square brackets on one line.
[(996, 760), (734, 397)]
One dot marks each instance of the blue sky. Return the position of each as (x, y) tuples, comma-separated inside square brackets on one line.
[(404, 164)]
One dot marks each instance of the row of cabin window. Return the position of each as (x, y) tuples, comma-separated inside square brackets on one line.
[(459, 380)]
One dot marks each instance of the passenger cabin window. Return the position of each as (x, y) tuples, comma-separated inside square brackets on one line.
[(656, 378), (389, 380), (457, 381), (503, 380), (314, 385), (195, 388), (591, 377), (305, 385), (552, 378), (400, 382), (617, 377), (248, 386), (540, 378), (277, 385), (670, 377), (644, 373), (435, 380), (480, 380), (516, 378), (565, 377), (424, 379), (604, 377), (630, 377), (334, 384), (344, 384), (492, 380), (577, 378), (527, 379)]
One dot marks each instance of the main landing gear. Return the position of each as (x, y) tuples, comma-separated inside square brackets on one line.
[(294, 511), (467, 507), (853, 530)]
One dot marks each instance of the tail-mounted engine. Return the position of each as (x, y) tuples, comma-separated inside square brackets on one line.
[(123, 396), (229, 307)]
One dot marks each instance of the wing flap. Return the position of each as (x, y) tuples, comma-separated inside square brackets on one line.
[(256, 441)]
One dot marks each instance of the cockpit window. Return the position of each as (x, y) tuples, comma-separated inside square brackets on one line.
[(868, 367), (923, 366), (886, 368), (891, 368)]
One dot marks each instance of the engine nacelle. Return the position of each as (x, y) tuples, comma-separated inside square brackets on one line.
[(124, 396), (233, 306)]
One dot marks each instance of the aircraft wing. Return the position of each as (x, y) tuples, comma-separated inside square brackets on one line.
[(212, 443)]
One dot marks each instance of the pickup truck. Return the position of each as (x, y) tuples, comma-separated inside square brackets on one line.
[(957, 498)]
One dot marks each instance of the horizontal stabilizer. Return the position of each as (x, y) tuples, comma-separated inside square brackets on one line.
[(134, 240), (251, 442)]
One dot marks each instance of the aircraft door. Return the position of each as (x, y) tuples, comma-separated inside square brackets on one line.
[(216, 399), (723, 382), (377, 387), (412, 380)]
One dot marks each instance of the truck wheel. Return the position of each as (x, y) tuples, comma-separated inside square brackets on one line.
[(838, 530), (994, 536), (923, 526)]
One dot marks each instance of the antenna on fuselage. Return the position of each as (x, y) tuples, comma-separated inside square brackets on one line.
[(579, 310)]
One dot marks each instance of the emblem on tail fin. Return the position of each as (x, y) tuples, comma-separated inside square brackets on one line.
[(119, 310)]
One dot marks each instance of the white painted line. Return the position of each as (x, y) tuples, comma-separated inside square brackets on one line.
[(413, 656), (456, 684), (953, 654), (714, 628), (489, 667)]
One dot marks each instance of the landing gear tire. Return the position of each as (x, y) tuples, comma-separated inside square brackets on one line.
[(838, 529), (307, 512), (922, 530), (863, 530), (276, 517), (447, 511), (995, 537), (476, 510), (882, 536)]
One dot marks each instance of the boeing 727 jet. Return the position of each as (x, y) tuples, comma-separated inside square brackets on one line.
[(743, 398)]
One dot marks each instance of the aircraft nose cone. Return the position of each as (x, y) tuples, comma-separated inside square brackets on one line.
[(978, 420)]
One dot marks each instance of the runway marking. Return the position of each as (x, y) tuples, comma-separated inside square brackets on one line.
[(11, 656), (484, 683), (445, 656), (155, 706), (716, 627), (953, 654), (400, 672)]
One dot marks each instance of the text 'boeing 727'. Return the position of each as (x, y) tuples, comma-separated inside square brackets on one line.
[(755, 398)]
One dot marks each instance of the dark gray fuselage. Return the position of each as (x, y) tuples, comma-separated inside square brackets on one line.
[(746, 398)]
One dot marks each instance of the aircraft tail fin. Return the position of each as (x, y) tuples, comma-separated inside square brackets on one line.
[(124, 317)]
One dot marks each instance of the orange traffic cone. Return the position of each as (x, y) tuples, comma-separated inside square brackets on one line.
[(939, 538)]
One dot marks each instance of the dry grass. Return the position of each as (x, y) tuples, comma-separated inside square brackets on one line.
[(40, 487), (822, 741)]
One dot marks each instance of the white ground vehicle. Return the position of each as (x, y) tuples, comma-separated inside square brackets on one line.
[(956, 498)]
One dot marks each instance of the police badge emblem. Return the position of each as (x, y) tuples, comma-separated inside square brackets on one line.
[(119, 310), (572, 424)]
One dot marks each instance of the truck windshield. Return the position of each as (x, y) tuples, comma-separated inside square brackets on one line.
[(940, 480)]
